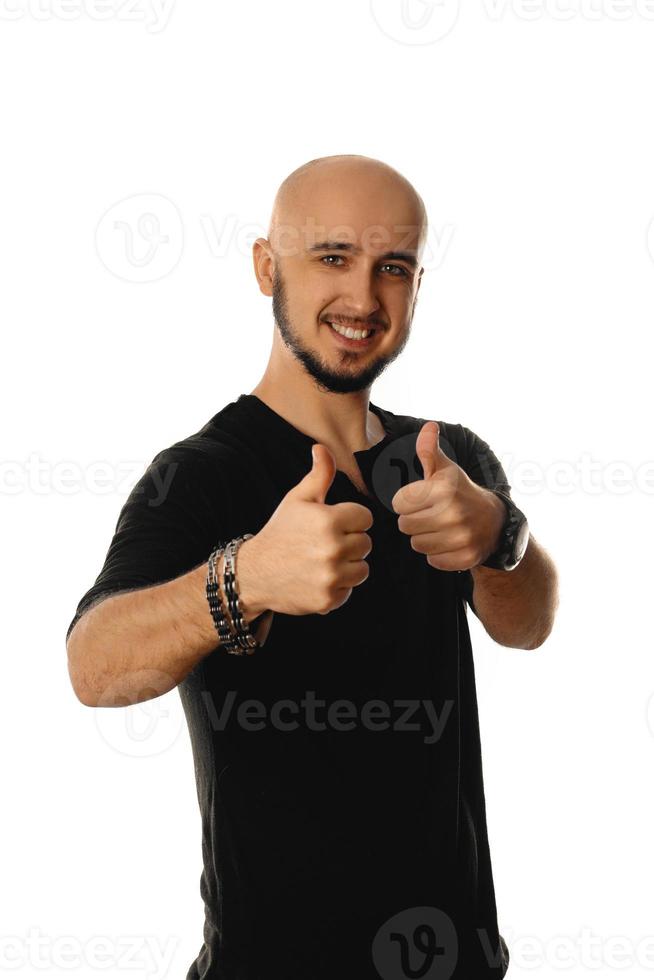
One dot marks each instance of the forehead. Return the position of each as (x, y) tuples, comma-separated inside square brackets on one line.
[(364, 208), (371, 220)]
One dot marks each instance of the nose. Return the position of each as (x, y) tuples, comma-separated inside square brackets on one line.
[(360, 294)]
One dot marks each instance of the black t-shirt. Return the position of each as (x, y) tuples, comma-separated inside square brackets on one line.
[(338, 768)]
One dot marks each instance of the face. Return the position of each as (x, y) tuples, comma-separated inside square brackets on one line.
[(357, 273), (330, 362)]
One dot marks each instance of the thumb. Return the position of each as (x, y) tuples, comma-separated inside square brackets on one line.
[(318, 480), (428, 449)]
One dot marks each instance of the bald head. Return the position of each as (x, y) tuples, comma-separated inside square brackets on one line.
[(346, 190), (344, 251)]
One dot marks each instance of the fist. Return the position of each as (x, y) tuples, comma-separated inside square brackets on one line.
[(310, 555), (449, 518)]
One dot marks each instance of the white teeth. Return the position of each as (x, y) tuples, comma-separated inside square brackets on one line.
[(349, 332)]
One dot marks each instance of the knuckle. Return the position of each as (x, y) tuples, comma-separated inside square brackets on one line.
[(327, 603), (331, 540), (334, 551), (329, 577), (325, 521), (323, 601), (342, 598), (471, 557), (467, 538)]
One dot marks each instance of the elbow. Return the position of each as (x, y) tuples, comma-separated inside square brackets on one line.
[(546, 619), (546, 623), (533, 644), (83, 697), (82, 692), (518, 643), (539, 639), (522, 640), (76, 658)]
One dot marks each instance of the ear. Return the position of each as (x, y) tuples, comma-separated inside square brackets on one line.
[(264, 265)]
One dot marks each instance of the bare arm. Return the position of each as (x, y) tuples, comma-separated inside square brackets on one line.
[(517, 608), (134, 646), (137, 645)]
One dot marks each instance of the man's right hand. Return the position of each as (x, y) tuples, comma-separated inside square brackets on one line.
[(309, 555)]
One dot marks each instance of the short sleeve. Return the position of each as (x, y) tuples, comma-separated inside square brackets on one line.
[(168, 525), (478, 460)]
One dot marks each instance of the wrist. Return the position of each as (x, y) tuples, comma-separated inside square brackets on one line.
[(509, 547), (251, 597), (497, 518)]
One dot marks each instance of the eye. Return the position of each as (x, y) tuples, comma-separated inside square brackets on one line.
[(400, 267), (402, 271)]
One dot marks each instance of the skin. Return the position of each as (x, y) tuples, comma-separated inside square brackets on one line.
[(317, 386), (131, 647), (324, 390)]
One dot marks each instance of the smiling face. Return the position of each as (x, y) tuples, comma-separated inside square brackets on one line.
[(344, 247)]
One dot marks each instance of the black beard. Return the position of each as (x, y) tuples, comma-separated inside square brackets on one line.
[(340, 382)]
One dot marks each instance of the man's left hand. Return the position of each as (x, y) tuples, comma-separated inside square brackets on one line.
[(451, 520)]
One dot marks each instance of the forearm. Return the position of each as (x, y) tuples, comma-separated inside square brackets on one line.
[(137, 645), (517, 608)]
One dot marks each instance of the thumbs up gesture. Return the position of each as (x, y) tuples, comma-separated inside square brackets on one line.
[(450, 519), (310, 555)]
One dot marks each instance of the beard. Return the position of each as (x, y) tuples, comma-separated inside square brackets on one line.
[(349, 378)]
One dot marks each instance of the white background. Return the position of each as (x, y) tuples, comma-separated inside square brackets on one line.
[(527, 129)]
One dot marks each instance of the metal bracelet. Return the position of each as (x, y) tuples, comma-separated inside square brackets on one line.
[(244, 636), (226, 634)]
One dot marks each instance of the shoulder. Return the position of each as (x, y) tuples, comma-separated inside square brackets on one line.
[(211, 449), (460, 443), (191, 473), (455, 439)]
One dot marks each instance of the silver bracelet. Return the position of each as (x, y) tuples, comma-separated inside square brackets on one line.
[(244, 637), (226, 634)]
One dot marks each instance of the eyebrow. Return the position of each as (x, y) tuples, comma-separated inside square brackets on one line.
[(408, 257)]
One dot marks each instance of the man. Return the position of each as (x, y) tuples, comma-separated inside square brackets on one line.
[(339, 765)]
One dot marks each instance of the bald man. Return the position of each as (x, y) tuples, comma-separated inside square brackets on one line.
[(337, 758)]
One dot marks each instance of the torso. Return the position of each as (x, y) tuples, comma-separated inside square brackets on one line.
[(350, 466), (354, 473)]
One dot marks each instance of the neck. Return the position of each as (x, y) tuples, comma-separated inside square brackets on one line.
[(342, 422)]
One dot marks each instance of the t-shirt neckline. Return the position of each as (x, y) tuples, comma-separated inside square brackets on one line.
[(283, 424)]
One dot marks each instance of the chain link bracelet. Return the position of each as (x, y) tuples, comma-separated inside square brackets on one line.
[(232, 628)]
